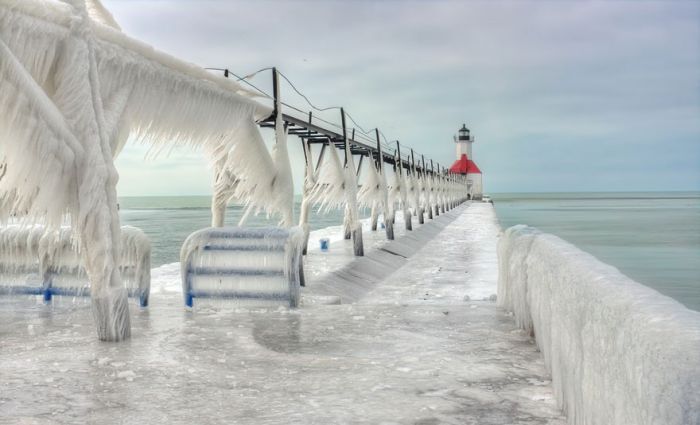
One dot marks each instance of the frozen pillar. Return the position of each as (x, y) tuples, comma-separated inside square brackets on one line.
[(309, 182), (374, 217), (98, 218), (352, 224)]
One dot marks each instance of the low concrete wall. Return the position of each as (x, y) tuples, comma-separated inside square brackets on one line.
[(618, 351)]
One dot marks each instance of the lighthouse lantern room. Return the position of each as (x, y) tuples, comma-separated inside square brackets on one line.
[(464, 165)]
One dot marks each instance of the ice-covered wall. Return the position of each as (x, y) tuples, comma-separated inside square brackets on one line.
[(619, 352)]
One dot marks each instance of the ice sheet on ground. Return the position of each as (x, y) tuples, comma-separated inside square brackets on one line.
[(458, 265)]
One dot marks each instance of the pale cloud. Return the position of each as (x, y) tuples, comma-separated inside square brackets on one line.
[(553, 91)]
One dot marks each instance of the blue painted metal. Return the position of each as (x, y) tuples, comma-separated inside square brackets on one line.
[(211, 271), (215, 247), (248, 295), (47, 295)]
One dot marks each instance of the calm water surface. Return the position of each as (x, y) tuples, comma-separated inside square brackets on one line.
[(168, 220), (653, 238)]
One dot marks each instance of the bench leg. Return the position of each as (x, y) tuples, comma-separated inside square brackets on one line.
[(47, 295), (143, 299)]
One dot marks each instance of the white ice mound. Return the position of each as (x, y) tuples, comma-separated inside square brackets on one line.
[(34, 260), (258, 266), (619, 352)]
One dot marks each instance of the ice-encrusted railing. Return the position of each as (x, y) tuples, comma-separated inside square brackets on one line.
[(618, 351), (261, 266), (35, 261)]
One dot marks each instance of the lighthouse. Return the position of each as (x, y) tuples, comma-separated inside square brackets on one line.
[(464, 165)]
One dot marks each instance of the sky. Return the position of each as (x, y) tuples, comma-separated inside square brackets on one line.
[(561, 96)]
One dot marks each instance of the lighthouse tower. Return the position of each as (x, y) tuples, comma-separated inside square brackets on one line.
[(463, 142), (464, 165)]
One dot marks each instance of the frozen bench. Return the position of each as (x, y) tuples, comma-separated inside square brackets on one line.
[(36, 262), (261, 266)]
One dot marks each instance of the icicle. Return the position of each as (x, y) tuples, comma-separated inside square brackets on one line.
[(371, 194), (403, 192), (270, 190), (100, 14), (351, 212), (328, 192), (309, 182), (394, 195)]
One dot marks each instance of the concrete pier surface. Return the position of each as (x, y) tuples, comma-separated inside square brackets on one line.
[(424, 344)]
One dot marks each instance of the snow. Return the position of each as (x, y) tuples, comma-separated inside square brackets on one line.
[(619, 352)]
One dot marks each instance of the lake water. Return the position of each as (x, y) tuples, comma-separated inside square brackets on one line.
[(168, 220), (654, 238)]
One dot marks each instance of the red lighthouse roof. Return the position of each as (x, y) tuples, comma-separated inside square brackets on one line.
[(464, 165)]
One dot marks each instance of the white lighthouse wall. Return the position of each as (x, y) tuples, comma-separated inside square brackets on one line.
[(477, 190), (462, 148)]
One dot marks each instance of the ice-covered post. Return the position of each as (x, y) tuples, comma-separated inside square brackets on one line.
[(428, 188), (98, 217), (435, 188), (218, 198), (441, 179), (374, 215), (351, 194), (388, 221), (448, 191), (347, 219), (309, 182), (418, 189), (404, 201), (222, 189)]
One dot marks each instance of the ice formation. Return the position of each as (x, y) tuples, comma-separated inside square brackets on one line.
[(263, 185), (36, 261), (249, 265), (351, 220), (310, 177), (618, 351), (328, 192), (398, 194), (421, 199), (394, 195), (374, 193), (412, 191), (73, 90)]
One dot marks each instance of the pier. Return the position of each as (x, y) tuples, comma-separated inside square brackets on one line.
[(427, 344), (425, 313)]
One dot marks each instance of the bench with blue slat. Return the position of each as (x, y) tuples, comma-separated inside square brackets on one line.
[(252, 265), (39, 275)]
